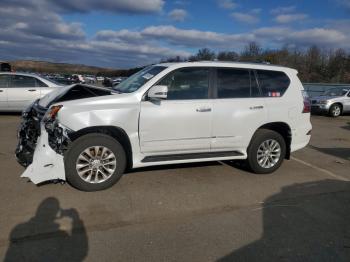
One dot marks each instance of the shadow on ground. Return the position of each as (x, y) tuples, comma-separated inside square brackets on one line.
[(340, 152), (347, 127), (10, 113), (303, 223), (43, 238)]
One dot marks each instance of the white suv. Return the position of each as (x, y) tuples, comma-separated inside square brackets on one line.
[(172, 113)]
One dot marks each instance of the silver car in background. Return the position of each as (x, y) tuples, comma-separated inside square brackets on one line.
[(19, 90), (334, 102)]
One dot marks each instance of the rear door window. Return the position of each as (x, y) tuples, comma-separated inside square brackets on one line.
[(22, 81), (273, 83), (40, 83), (236, 83)]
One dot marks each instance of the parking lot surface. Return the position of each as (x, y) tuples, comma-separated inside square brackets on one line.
[(195, 212)]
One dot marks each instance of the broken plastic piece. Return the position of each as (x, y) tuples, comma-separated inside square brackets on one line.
[(47, 164)]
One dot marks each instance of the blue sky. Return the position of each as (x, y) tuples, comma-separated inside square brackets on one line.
[(124, 33)]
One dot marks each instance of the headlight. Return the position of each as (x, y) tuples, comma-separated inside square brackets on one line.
[(323, 102), (52, 113)]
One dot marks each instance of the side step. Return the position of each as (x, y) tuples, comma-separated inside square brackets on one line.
[(190, 156)]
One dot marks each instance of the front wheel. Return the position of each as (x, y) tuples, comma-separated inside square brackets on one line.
[(94, 162), (266, 151), (335, 110)]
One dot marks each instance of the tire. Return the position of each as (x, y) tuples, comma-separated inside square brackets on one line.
[(335, 110), (100, 170), (260, 138)]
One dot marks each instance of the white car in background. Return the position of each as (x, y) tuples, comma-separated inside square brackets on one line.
[(19, 90)]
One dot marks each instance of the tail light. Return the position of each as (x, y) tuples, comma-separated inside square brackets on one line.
[(307, 104)]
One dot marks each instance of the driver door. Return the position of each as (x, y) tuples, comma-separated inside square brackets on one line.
[(182, 122)]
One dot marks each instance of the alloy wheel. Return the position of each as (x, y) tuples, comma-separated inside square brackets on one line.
[(96, 164)]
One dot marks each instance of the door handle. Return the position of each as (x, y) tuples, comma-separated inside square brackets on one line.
[(31, 90), (1, 91), (203, 109), (256, 107)]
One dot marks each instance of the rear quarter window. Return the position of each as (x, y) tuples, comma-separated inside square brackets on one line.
[(273, 83)]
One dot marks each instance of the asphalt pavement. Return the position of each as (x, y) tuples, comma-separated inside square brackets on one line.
[(212, 211)]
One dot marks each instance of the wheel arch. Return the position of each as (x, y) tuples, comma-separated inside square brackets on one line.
[(337, 103), (283, 129), (116, 132)]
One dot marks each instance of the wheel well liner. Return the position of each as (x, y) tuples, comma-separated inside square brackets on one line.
[(337, 103), (117, 133), (284, 130)]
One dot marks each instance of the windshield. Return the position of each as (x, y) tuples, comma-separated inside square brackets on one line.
[(138, 79), (335, 92)]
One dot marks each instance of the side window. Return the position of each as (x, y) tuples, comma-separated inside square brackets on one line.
[(22, 81), (273, 83), (40, 83), (254, 87), (233, 83), (3, 81), (187, 83)]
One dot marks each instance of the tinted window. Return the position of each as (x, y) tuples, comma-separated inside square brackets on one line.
[(254, 88), (187, 83), (233, 83), (40, 83), (3, 81), (273, 83), (22, 81)]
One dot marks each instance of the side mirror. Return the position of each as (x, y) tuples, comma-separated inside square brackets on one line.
[(158, 92)]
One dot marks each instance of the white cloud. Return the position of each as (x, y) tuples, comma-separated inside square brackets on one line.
[(196, 38), (245, 18), (227, 4), (178, 15), (283, 10), (288, 18)]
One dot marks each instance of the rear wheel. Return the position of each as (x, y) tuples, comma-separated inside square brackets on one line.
[(266, 151), (335, 110), (94, 162)]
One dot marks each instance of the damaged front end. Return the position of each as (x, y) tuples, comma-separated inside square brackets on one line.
[(28, 133), (42, 140), (48, 162)]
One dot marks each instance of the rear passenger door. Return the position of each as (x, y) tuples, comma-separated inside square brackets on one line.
[(22, 91), (238, 109), (3, 92)]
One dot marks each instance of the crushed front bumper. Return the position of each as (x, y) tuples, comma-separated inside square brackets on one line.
[(47, 164), (28, 133), (41, 146)]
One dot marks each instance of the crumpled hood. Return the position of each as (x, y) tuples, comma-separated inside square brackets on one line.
[(73, 92)]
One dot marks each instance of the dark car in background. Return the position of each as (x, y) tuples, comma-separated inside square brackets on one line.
[(5, 67)]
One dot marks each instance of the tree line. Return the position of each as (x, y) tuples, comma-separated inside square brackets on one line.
[(314, 64)]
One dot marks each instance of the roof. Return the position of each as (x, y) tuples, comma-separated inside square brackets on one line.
[(18, 73), (229, 64)]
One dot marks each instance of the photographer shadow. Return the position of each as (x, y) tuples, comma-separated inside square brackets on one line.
[(43, 238)]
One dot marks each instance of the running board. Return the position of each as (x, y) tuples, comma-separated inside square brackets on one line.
[(190, 156)]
